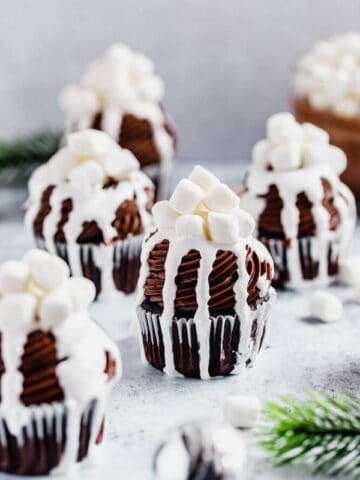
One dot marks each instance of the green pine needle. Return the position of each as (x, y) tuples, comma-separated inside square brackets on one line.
[(19, 157), (320, 431)]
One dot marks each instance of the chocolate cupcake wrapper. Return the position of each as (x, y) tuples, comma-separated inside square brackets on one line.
[(160, 176), (314, 261), (46, 439), (113, 268), (233, 342)]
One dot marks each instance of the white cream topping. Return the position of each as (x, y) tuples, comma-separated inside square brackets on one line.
[(122, 81), (58, 305), (208, 232), (328, 76), (293, 172)]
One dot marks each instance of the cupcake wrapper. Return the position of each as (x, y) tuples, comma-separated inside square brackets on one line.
[(319, 264), (226, 333), (39, 446), (112, 268), (160, 176)]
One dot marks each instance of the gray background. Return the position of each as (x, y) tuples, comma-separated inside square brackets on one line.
[(227, 63)]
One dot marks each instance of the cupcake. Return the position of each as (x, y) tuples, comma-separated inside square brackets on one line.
[(121, 94), (54, 392), (204, 287), (327, 93), (304, 214), (90, 204), (202, 451)]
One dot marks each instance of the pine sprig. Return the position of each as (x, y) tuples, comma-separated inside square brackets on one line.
[(19, 157), (320, 431)]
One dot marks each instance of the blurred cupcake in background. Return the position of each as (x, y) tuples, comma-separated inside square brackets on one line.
[(90, 204), (327, 94), (121, 94), (304, 214), (57, 367)]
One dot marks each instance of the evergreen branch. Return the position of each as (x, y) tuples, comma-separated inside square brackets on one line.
[(320, 431), (19, 157)]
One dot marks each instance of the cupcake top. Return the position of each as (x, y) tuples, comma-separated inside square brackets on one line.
[(91, 191), (46, 335), (328, 76), (293, 187), (201, 450), (120, 93), (202, 260)]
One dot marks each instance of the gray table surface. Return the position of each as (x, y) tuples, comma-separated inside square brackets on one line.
[(299, 354)]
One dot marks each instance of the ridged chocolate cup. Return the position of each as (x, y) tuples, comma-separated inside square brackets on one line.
[(224, 341), (39, 446)]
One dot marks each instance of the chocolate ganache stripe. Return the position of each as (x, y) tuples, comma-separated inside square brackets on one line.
[(38, 367), (186, 280), (66, 208), (127, 220), (155, 281), (44, 210)]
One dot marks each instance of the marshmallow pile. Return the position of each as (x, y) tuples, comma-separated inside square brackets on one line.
[(203, 207), (89, 159), (38, 290), (329, 75), (120, 78), (290, 145)]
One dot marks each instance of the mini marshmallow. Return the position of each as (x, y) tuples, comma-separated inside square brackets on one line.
[(349, 270), (260, 153), (89, 143), (78, 101), (336, 158), (88, 176), (320, 99), (282, 128), (325, 306), (223, 227), (285, 157), (118, 52), (202, 177), (152, 87), (55, 308), (347, 107), (47, 271), (120, 163), (18, 309), (62, 163), (14, 277), (246, 223), (82, 292), (186, 197), (190, 226), (314, 153), (242, 411), (221, 199), (164, 215), (312, 133)]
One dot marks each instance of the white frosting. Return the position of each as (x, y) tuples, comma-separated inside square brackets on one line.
[(189, 237), (317, 160), (328, 76), (79, 171), (219, 446), (122, 81), (81, 376)]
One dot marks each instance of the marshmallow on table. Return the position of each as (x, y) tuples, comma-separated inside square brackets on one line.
[(205, 179), (18, 309), (282, 128), (55, 308), (89, 143), (186, 197), (221, 199), (14, 277), (164, 215), (286, 156), (88, 176), (190, 226), (242, 411), (260, 153), (48, 272), (325, 306), (223, 227)]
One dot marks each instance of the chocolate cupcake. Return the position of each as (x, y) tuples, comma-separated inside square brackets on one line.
[(204, 288), (90, 205), (305, 215), (201, 451), (121, 95), (53, 393), (327, 93)]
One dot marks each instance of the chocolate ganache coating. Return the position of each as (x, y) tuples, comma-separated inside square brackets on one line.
[(222, 279), (270, 224)]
